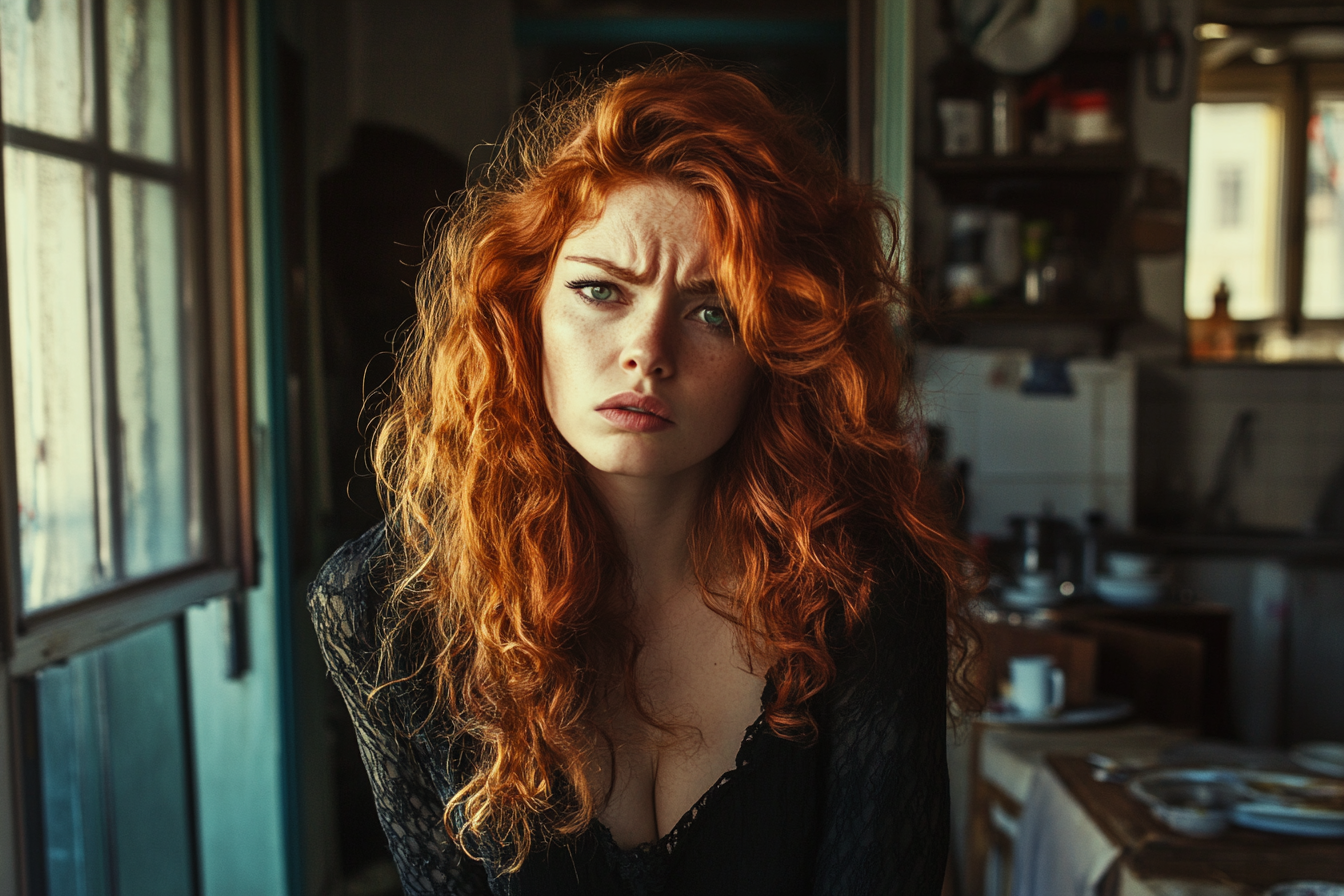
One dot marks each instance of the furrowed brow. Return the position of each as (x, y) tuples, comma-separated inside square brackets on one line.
[(615, 270), (701, 287)]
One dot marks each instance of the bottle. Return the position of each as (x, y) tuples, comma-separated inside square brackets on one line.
[(1215, 337), (1164, 59), (1005, 120), (1035, 238)]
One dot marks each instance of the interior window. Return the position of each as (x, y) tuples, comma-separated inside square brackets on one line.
[(106, 292), (1236, 166), (96, 297), (1323, 279), (114, 769)]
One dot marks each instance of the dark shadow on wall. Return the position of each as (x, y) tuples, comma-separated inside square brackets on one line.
[(372, 213), (371, 229)]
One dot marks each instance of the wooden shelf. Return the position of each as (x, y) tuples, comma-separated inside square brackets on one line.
[(950, 325), (1087, 41), (1099, 161), (1045, 316), (702, 31)]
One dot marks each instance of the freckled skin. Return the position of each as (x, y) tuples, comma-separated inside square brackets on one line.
[(631, 307), (651, 337)]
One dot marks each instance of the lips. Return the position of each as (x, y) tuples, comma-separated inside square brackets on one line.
[(638, 403), (634, 412)]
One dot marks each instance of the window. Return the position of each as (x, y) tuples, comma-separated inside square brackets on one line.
[(99, 330), (1266, 212), (1323, 282), (1235, 152), (116, 402)]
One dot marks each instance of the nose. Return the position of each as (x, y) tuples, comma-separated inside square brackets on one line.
[(649, 345)]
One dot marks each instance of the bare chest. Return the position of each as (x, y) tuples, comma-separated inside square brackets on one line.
[(694, 680)]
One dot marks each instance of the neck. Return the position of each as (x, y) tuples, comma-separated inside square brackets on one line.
[(653, 517)]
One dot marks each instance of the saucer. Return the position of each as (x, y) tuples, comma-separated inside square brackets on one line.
[(1101, 711), (1127, 592), (1022, 599)]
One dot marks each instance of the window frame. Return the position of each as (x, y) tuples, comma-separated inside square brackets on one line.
[(1272, 85), (1292, 86), (209, 178), (1318, 78)]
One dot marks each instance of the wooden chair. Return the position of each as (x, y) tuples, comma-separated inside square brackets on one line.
[(1160, 672), (1126, 660), (993, 814)]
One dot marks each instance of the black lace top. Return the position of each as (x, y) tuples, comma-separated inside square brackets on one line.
[(863, 810)]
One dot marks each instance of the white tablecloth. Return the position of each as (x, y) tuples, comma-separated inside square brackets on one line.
[(1059, 850)]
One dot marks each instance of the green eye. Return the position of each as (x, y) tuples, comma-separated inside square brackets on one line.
[(598, 292), (715, 317)]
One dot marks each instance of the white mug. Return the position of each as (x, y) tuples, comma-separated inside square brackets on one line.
[(1038, 685)]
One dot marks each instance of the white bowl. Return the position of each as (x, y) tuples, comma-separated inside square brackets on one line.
[(1129, 592), (1194, 802), (1040, 582), (1129, 565), (1030, 600)]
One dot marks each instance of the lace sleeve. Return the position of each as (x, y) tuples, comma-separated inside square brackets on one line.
[(343, 605), (886, 806)]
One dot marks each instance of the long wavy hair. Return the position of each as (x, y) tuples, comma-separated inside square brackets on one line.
[(511, 588)]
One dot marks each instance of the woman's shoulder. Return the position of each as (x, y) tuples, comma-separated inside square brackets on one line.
[(906, 580), (906, 623), (345, 597)]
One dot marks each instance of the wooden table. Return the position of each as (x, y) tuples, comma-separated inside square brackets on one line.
[(1240, 857), (1000, 763)]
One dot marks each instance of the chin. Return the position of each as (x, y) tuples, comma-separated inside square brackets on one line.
[(640, 467), (644, 464)]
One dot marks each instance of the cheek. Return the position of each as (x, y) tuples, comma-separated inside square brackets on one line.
[(553, 352), (734, 379)]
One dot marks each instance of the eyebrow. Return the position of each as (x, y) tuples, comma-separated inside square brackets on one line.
[(700, 287)]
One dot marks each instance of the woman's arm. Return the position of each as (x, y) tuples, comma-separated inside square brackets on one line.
[(885, 821), (343, 605)]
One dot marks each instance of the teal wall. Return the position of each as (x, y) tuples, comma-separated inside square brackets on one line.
[(894, 101), (242, 727)]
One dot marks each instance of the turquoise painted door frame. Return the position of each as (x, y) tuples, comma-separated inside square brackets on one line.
[(244, 735), (894, 99)]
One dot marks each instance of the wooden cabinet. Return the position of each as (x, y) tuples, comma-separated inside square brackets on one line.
[(1070, 203)]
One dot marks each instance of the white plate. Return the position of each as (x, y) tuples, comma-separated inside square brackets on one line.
[(1322, 757), (1130, 565), (1305, 791), (1022, 599), (1281, 804), (1289, 820), (1306, 888), (1105, 709), (1127, 592)]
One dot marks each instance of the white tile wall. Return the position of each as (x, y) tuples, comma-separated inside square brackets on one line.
[(1073, 452), (1298, 436)]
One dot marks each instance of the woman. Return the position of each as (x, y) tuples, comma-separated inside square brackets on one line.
[(661, 603)]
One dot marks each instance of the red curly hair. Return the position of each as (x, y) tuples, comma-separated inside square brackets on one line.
[(508, 565)]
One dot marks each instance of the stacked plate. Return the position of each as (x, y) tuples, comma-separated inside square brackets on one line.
[(1133, 580), (1291, 804), (1321, 757), (1201, 802), (1033, 589), (1306, 888)]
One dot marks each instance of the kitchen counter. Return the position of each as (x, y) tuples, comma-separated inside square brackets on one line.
[(1287, 545)]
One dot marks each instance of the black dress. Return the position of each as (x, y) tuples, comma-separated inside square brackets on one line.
[(863, 810)]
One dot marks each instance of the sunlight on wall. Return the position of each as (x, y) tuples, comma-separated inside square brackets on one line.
[(1235, 189)]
